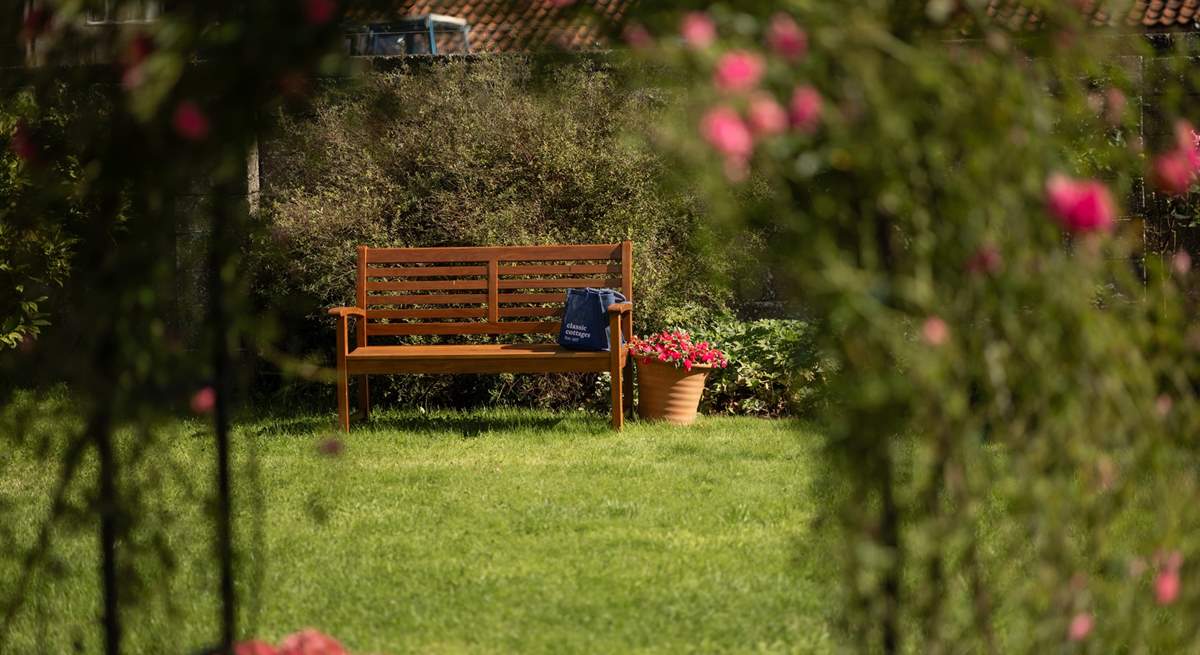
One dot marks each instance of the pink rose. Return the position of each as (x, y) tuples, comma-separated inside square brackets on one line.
[(1115, 102), (22, 143), (1173, 172), (935, 331), (1166, 586), (190, 122), (203, 400), (1081, 627), (698, 30), (1080, 205), (310, 642), (786, 38), (254, 647), (738, 70), (806, 109), (985, 261), (637, 36), (319, 12), (766, 116), (1181, 262), (725, 131)]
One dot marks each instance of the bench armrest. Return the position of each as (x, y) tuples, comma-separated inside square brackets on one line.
[(620, 308), (347, 311)]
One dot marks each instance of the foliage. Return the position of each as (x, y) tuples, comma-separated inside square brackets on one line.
[(111, 127), (479, 152), (37, 230), (775, 367), (916, 164)]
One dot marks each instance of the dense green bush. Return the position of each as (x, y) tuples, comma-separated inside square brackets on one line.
[(494, 151), (775, 367)]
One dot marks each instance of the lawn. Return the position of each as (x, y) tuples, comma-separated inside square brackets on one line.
[(496, 531)]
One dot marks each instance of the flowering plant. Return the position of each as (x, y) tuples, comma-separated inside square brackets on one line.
[(677, 349)]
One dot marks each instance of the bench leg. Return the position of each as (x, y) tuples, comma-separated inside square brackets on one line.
[(343, 399), (364, 398), (618, 405)]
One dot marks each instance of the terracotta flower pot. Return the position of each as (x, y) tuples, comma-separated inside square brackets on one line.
[(669, 393)]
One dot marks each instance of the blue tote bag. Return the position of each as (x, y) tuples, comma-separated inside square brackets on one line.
[(585, 320)]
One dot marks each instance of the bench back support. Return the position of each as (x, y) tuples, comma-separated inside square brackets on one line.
[(485, 290)]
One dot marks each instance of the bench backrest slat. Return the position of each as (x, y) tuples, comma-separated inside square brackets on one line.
[(485, 290)]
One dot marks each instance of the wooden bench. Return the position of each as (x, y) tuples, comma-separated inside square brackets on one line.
[(502, 290)]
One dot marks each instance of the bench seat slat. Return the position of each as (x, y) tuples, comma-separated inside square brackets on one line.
[(514, 298), (530, 311), (476, 358)]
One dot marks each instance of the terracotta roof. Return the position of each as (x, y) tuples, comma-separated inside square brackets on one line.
[(509, 25), (1153, 15)]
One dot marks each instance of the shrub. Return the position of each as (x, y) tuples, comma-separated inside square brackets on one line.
[(487, 152), (774, 367)]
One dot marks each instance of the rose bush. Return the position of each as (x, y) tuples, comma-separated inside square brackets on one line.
[(958, 199)]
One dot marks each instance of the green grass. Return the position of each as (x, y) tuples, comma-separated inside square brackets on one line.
[(497, 531)]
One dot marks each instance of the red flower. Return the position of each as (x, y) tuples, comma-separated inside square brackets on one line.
[(637, 36), (254, 647), (698, 30), (935, 331), (986, 260), (22, 143), (1166, 586), (738, 71), (766, 116), (204, 400), (310, 642), (786, 38), (190, 122), (319, 12), (1081, 627), (1080, 205), (37, 21), (723, 128), (806, 109)]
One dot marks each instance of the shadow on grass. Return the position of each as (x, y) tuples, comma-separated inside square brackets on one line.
[(468, 425)]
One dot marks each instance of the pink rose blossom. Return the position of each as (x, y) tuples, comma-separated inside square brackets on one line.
[(1080, 205), (1181, 262), (786, 38), (637, 36), (204, 400), (934, 331), (766, 116), (1114, 109), (37, 21), (1081, 627), (1166, 586), (725, 131), (254, 647), (22, 142), (190, 122), (698, 30), (310, 642), (985, 261), (319, 12), (738, 70), (1173, 173), (806, 109)]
